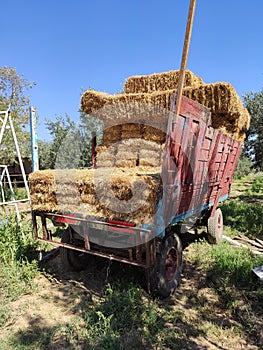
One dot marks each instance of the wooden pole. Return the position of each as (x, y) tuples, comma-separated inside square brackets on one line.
[(184, 57)]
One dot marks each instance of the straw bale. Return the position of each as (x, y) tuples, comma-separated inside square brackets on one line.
[(131, 134), (92, 192), (122, 188), (89, 199), (148, 153), (153, 134), (149, 145), (101, 149), (108, 139), (47, 176), (126, 154), (126, 163), (105, 163), (222, 99), (111, 135), (150, 157), (159, 82), (106, 155), (136, 127), (128, 145), (153, 162)]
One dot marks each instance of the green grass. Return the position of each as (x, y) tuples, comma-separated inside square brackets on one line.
[(228, 269), (18, 266), (244, 212)]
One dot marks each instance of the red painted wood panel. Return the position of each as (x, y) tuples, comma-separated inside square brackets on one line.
[(201, 161)]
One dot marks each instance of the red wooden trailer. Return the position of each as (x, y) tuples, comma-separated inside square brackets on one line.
[(197, 171)]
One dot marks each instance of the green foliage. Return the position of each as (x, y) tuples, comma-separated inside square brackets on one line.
[(244, 166), (245, 214), (235, 265), (44, 154), (17, 278), (19, 193), (71, 143), (256, 188), (244, 217), (15, 245), (17, 253), (254, 143), (229, 272), (58, 130), (123, 320), (13, 89)]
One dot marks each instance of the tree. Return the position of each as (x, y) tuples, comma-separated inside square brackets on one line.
[(253, 145), (58, 130), (13, 89), (89, 126), (70, 146), (245, 166), (44, 154)]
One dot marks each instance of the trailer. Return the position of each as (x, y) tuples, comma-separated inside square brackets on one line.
[(198, 165)]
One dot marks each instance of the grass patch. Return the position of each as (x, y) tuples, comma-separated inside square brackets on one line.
[(244, 213), (18, 266), (228, 272)]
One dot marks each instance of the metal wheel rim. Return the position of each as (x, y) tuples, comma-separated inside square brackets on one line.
[(171, 264)]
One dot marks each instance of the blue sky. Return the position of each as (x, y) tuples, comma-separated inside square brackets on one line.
[(66, 46)]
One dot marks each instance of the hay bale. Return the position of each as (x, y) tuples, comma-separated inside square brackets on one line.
[(111, 135), (155, 135), (159, 82), (132, 127), (105, 153), (126, 163), (131, 135), (93, 192), (227, 110), (148, 153), (105, 163), (150, 157)]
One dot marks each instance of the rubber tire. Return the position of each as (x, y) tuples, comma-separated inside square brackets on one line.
[(164, 286), (70, 258), (215, 227)]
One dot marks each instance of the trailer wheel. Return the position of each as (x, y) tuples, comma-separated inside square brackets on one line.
[(72, 258), (169, 266), (215, 227)]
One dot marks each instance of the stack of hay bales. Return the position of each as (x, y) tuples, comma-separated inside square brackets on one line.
[(130, 153), (228, 113), (160, 82), (124, 196), (127, 184)]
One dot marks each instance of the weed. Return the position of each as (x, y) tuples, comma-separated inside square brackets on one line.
[(15, 246), (17, 265), (244, 217), (122, 314), (234, 265)]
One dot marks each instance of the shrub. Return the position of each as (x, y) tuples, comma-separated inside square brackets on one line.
[(244, 217), (16, 242), (244, 167)]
